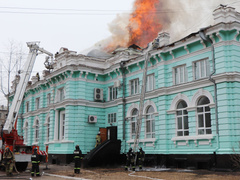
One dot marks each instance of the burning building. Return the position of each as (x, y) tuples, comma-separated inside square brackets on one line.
[(191, 108)]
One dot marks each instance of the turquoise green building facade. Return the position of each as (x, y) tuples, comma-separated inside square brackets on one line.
[(184, 116)]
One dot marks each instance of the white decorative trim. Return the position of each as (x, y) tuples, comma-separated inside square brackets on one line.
[(144, 141), (212, 38), (186, 48), (147, 104), (131, 108), (235, 37), (193, 138), (199, 94), (46, 119), (219, 36), (86, 75), (24, 125), (171, 53), (139, 66), (35, 143), (204, 45), (35, 120), (176, 100), (96, 75)]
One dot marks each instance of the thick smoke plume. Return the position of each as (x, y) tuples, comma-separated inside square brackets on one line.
[(149, 17)]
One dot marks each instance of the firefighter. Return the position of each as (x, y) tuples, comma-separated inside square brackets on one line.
[(141, 156), (77, 159), (35, 163), (98, 139), (130, 160), (9, 160)]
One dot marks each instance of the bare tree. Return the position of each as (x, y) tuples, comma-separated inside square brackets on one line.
[(11, 63)]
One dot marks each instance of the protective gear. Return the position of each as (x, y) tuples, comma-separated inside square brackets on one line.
[(77, 159), (141, 156), (77, 147), (35, 163), (130, 160), (8, 159), (98, 139)]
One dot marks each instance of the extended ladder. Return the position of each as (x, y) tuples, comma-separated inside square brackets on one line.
[(147, 57), (21, 87)]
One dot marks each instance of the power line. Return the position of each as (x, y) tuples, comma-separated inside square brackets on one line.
[(40, 11)]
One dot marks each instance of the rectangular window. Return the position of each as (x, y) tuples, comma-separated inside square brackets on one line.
[(63, 125), (61, 94), (112, 118), (201, 69), (180, 74), (134, 86), (150, 82), (60, 123), (112, 93), (27, 106), (37, 105), (48, 99)]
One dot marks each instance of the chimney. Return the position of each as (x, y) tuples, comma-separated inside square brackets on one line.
[(225, 14), (163, 38)]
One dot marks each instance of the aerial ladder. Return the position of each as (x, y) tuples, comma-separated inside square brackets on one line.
[(21, 87), (147, 57), (10, 136)]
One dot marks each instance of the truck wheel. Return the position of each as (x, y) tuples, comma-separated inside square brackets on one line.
[(21, 166)]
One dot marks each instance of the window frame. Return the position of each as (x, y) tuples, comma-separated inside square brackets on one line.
[(112, 93), (36, 131), (150, 84), (201, 71), (48, 130), (151, 133), (48, 99), (182, 117), (61, 94), (37, 103), (133, 122), (180, 74), (112, 118), (27, 106), (26, 132), (204, 128), (134, 86)]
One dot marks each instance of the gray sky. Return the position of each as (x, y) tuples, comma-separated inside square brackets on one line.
[(79, 24)]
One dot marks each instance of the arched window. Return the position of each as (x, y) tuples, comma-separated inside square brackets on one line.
[(26, 133), (204, 116), (182, 119), (37, 131), (48, 129), (150, 122), (134, 123)]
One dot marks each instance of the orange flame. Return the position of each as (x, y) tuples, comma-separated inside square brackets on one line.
[(144, 23), (141, 28)]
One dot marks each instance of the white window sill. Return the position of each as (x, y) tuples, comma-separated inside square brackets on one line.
[(59, 141), (144, 141), (35, 143), (185, 140)]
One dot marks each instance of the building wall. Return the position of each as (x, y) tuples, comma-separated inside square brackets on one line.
[(78, 103)]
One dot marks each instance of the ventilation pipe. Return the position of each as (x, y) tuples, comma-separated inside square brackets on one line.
[(207, 39)]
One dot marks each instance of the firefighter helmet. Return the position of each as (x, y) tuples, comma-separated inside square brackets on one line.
[(77, 147)]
